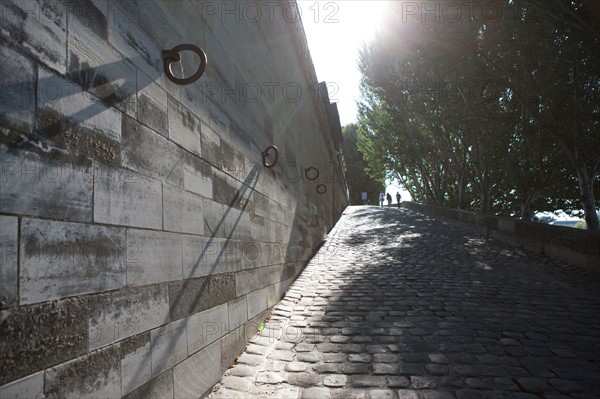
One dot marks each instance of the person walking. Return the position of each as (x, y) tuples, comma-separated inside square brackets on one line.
[(398, 198), (389, 199), (381, 198)]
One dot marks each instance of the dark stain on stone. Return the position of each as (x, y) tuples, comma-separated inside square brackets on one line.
[(152, 115), (82, 375), (188, 297), (134, 343), (222, 288), (76, 138), (91, 17), (40, 336)]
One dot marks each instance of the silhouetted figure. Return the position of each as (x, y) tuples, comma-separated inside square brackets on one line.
[(389, 199), (398, 198)]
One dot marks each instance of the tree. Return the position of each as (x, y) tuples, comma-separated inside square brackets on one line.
[(496, 115), (358, 179)]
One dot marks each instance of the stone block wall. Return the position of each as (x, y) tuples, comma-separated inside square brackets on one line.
[(142, 241)]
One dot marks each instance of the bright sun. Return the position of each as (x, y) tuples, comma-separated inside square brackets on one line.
[(335, 32)]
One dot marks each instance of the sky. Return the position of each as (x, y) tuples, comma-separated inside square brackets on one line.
[(335, 31)]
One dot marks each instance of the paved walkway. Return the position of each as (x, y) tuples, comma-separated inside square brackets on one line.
[(399, 305)]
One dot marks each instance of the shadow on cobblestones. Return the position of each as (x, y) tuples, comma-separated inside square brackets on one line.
[(406, 306)]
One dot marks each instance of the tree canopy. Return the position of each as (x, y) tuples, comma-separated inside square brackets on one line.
[(491, 111)]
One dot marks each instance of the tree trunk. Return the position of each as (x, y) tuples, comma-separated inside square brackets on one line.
[(586, 191), (485, 201)]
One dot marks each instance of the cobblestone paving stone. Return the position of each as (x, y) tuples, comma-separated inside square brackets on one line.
[(397, 305)]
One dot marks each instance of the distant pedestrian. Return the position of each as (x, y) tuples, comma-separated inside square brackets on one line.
[(398, 198), (381, 198), (389, 199)]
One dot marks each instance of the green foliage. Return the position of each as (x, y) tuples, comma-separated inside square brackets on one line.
[(580, 225), (359, 180), (498, 115)]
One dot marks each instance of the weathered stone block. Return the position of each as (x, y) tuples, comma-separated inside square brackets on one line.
[(63, 259), (160, 387), (117, 315), (206, 327), (222, 288), (136, 362), (197, 176), (257, 302), (29, 387), (77, 120), (150, 154), (184, 126), (96, 66), (251, 280), (169, 346), (182, 211), (126, 198), (153, 257), (39, 336), (193, 377), (31, 184), (95, 375), (188, 297), (152, 106), (39, 27), (203, 256), (211, 146), (232, 345), (214, 218), (17, 90), (238, 312), (9, 269)]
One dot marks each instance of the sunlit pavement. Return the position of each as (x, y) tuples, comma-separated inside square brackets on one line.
[(396, 305)]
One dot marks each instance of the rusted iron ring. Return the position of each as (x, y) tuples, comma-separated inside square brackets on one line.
[(308, 170), (265, 154), (170, 56), (321, 189)]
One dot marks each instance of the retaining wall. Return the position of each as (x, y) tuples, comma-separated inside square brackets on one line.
[(142, 240), (574, 246)]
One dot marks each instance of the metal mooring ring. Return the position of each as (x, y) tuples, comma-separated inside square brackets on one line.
[(321, 189), (309, 169), (170, 56), (265, 154)]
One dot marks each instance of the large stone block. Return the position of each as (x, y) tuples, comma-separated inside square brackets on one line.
[(197, 374), (222, 288), (197, 176), (206, 327), (188, 297), (17, 90), (96, 375), (203, 256), (257, 302), (39, 27), (30, 387), (184, 127), (238, 312), (211, 147), (117, 315), (136, 362), (150, 154), (253, 279), (153, 257), (182, 211), (40, 336), (61, 259), (214, 218), (9, 268), (152, 106), (96, 66), (126, 198), (160, 387), (76, 119), (31, 184), (169, 346)]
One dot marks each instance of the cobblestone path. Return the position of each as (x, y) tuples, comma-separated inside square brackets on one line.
[(396, 305)]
